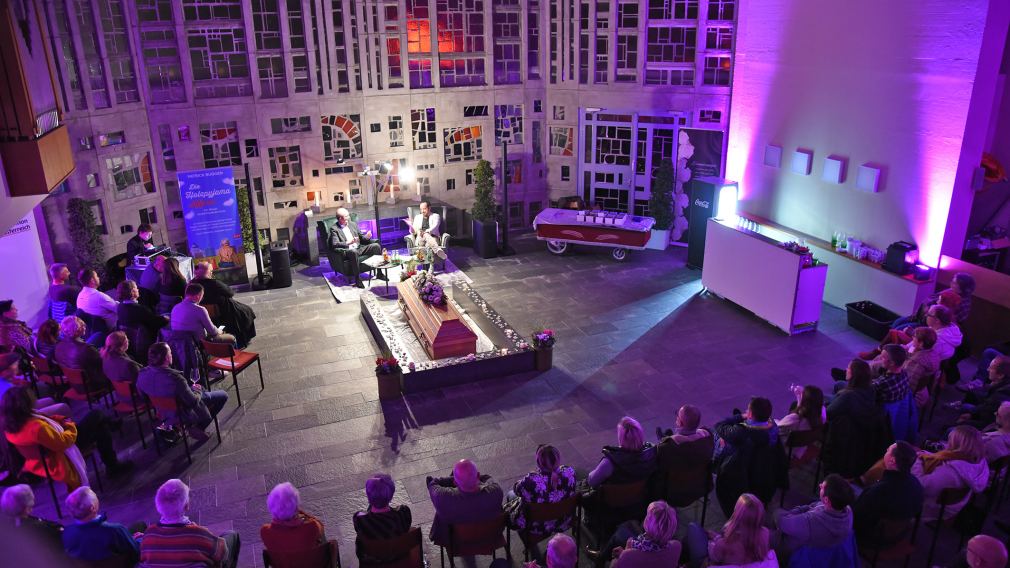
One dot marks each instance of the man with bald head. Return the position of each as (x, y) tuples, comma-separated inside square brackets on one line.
[(354, 244), (465, 497), (985, 551)]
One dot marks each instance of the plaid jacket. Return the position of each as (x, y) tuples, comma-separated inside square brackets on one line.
[(891, 387)]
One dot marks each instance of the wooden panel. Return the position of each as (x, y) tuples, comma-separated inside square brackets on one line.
[(440, 329), (36, 167)]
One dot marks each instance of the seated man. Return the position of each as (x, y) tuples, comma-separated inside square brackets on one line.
[(94, 302), (997, 440), (892, 385), (59, 289), (236, 316), (425, 228), (133, 314), (750, 458), (161, 380), (354, 245), (689, 446), (140, 243), (979, 406), (898, 495), (178, 541), (465, 497), (91, 538), (188, 315), (824, 524), (561, 553), (939, 319)]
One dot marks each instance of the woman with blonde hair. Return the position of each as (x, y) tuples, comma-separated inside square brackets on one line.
[(633, 459), (961, 464), (743, 539), (653, 547), (116, 363)]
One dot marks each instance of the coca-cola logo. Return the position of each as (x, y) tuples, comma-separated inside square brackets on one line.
[(701, 203)]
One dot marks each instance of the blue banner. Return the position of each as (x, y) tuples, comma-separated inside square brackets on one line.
[(210, 211)]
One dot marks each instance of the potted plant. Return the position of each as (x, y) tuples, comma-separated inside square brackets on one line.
[(485, 225), (661, 206), (89, 250), (245, 220), (543, 346), (388, 374)]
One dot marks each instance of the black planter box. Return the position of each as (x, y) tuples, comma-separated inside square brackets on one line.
[(485, 239), (869, 318)]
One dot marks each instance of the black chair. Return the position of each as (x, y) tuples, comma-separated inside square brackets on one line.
[(946, 498), (566, 509), (479, 538), (894, 539), (684, 485), (37, 452), (85, 387), (404, 551), (805, 439)]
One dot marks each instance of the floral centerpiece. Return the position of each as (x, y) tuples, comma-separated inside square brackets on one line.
[(388, 374), (386, 365), (543, 340), (428, 288)]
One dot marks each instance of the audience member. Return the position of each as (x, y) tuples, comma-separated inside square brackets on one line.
[(92, 537), (562, 552), (687, 447), (957, 299), (73, 353), (985, 551), (898, 495), (94, 302), (176, 541), (59, 289), (939, 319), (961, 464), (743, 539), (9, 365), (117, 365), (648, 544), (823, 524), (135, 315), (171, 286), (892, 386), (550, 483), (465, 497), (24, 426), (150, 278), (46, 339), (141, 243), (923, 363), (750, 458), (291, 530), (354, 245), (979, 406), (633, 459), (380, 521), (808, 414), (14, 334), (238, 318), (17, 503), (997, 441), (159, 379), (188, 315)]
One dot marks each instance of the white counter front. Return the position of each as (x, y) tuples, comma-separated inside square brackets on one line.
[(756, 273)]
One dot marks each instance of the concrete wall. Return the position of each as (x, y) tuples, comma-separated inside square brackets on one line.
[(886, 83)]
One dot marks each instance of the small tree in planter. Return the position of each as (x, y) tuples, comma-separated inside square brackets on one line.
[(89, 250), (245, 217), (661, 205), (485, 227)]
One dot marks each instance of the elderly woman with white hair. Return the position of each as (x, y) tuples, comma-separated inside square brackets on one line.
[(349, 246), (73, 352), (561, 553), (91, 537), (633, 459), (292, 530), (650, 543), (380, 520), (17, 503), (177, 541)]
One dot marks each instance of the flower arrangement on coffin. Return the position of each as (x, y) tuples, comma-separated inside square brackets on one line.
[(543, 338), (407, 275), (386, 364), (428, 288)]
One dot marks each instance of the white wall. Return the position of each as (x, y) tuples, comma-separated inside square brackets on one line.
[(888, 83), (21, 254)]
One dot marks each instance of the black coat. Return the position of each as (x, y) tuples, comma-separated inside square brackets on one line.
[(858, 433), (135, 246), (753, 461), (237, 318), (139, 316), (337, 239)]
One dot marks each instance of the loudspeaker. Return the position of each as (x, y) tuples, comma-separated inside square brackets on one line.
[(702, 194), (280, 261)]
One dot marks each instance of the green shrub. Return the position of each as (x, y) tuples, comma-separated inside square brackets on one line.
[(483, 203), (661, 201)]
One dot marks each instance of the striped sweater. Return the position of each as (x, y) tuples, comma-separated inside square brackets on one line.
[(181, 546)]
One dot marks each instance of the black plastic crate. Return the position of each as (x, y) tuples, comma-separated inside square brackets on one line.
[(871, 319)]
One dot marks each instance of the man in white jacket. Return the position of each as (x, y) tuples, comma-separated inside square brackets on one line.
[(425, 229)]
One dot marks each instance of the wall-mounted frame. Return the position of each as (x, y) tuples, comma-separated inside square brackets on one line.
[(868, 178), (802, 160), (773, 156), (834, 169)]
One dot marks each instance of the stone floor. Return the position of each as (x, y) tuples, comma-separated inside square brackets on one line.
[(636, 338)]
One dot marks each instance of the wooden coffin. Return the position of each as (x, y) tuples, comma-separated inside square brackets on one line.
[(440, 329)]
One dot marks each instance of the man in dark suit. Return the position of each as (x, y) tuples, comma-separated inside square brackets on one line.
[(139, 243), (237, 318), (355, 245)]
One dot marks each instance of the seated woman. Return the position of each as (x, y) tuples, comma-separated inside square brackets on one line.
[(551, 483), (939, 319), (380, 521), (117, 365), (291, 530), (633, 459), (133, 314), (957, 299), (9, 377), (650, 543), (171, 286), (46, 339), (237, 318), (17, 503), (961, 464), (922, 364), (743, 539), (73, 353), (24, 426), (807, 414), (14, 333)]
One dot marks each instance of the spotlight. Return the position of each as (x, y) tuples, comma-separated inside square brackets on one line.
[(406, 174), (385, 168), (727, 197)]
